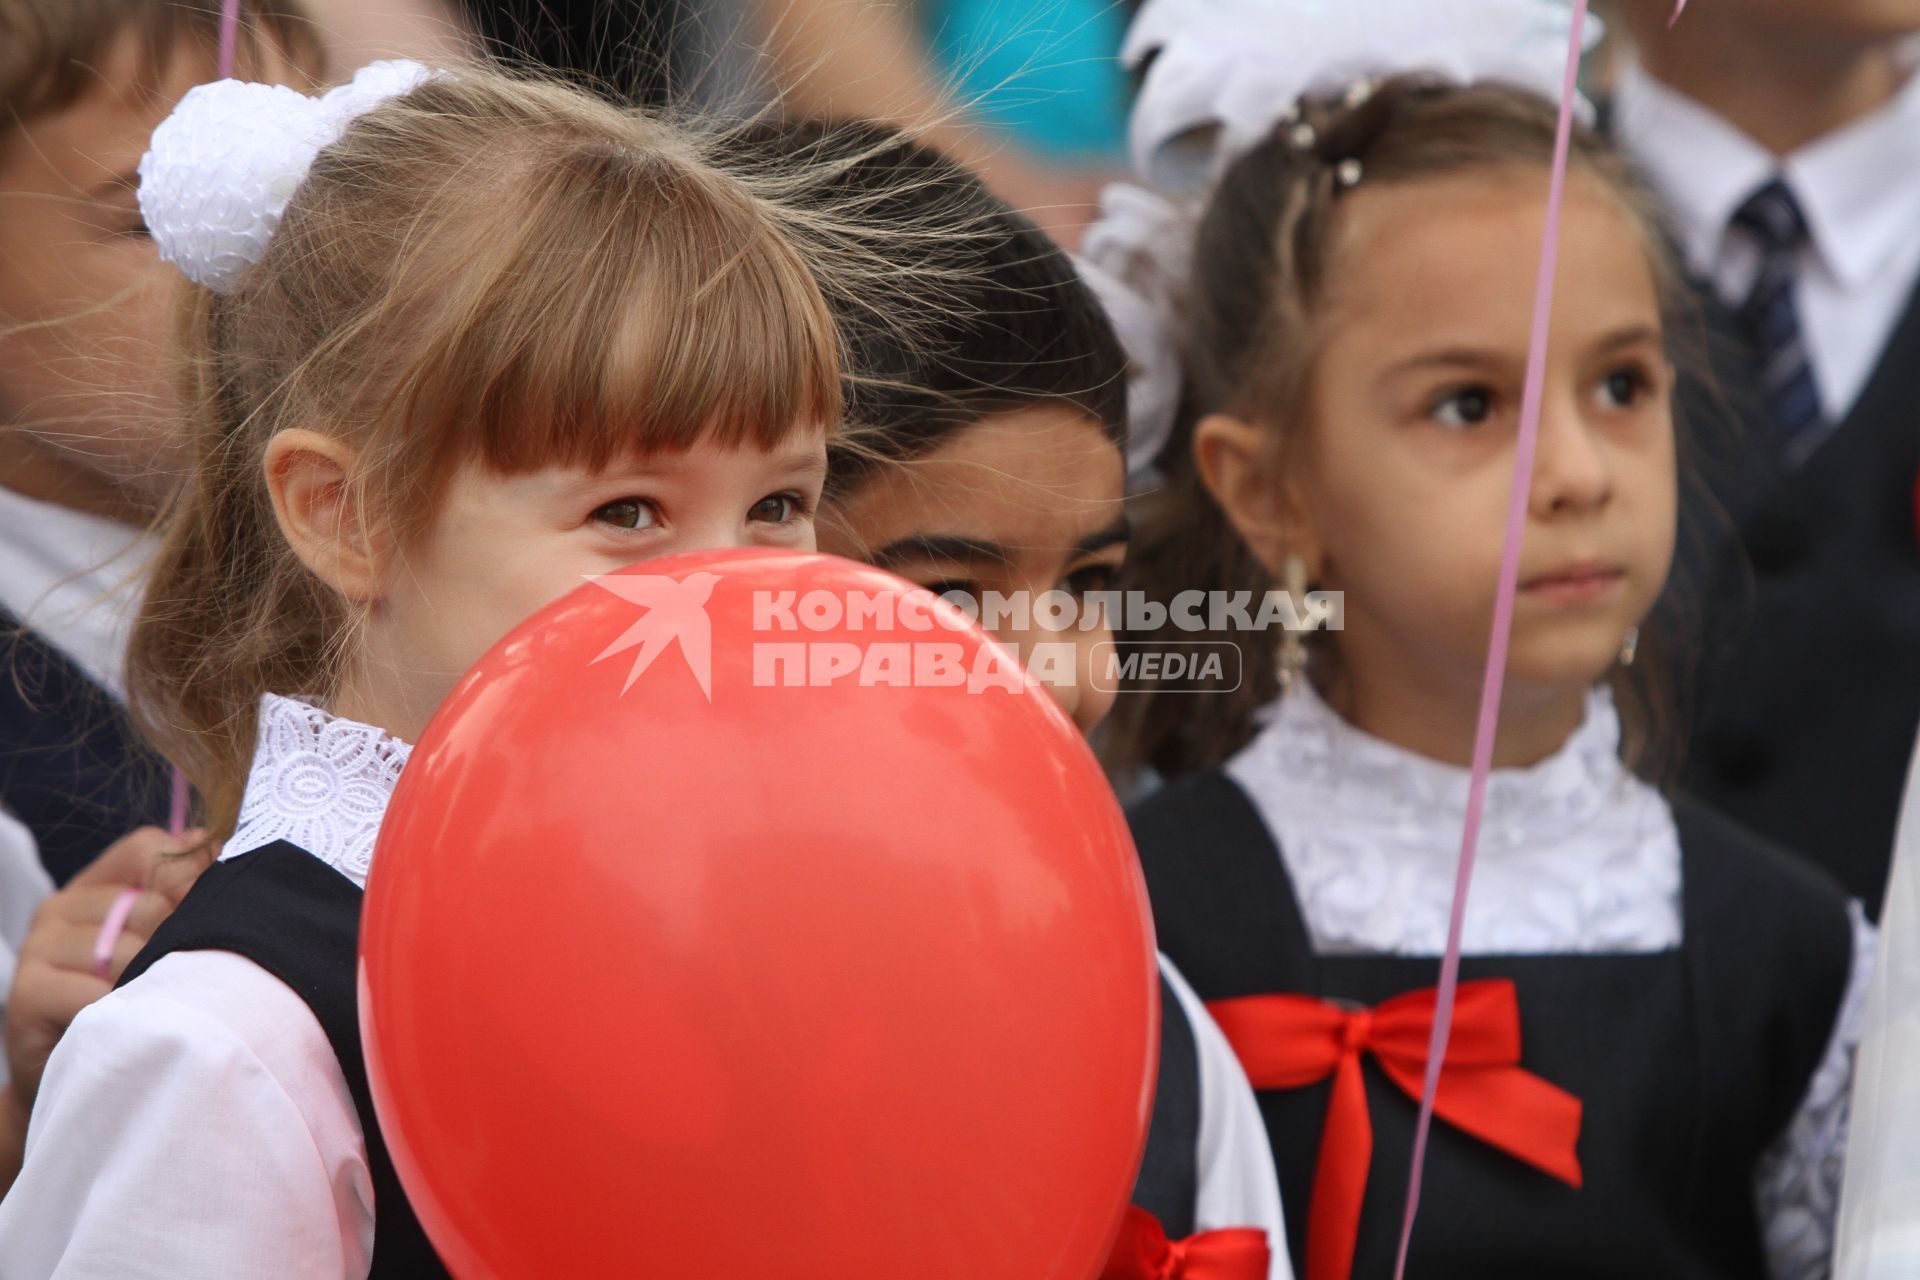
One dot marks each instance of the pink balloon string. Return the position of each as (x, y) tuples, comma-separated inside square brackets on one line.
[(179, 802), (1494, 680), (229, 35), (229, 41), (111, 927), (177, 809), (114, 923)]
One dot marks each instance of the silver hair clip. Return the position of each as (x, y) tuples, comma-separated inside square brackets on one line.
[(1346, 174)]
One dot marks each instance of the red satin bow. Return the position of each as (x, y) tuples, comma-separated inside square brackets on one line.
[(1143, 1252), (1289, 1042)]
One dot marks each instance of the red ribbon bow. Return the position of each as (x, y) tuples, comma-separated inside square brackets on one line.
[(1143, 1252), (1289, 1042)]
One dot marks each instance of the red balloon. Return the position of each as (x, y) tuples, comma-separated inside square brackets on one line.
[(686, 954)]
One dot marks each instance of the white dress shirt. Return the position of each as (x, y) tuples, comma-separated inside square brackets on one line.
[(24, 884), (1238, 1186), (1577, 856), (75, 579), (195, 1124), (1858, 187)]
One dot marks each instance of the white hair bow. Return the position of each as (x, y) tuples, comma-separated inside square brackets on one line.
[(1219, 75), (221, 168), (1136, 257)]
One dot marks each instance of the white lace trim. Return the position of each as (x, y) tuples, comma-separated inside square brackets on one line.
[(1799, 1182), (319, 782), (1576, 855)]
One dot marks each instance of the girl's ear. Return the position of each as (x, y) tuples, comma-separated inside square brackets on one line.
[(1235, 458), (309, 477)]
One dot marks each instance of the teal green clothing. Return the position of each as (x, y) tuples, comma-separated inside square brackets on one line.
[(1047, 71)]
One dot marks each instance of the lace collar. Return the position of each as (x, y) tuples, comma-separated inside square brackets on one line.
[(1308, 745), (319, 782), (1576, 854)]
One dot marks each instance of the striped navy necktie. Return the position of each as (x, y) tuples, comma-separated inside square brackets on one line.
[(1771, 314)]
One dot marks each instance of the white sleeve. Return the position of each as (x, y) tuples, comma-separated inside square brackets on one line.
[(1238, 1185), (193, 1125), (1880, 1209), (1800, 1175), (24, 884)]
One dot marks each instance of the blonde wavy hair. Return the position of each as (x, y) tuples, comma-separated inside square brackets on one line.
[(490, 270)]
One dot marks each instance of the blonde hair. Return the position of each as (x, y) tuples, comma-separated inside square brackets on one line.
[(488, 270)]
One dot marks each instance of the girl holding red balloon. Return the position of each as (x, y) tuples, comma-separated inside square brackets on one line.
[(431, 390), (990, 460), (1648, 1065)]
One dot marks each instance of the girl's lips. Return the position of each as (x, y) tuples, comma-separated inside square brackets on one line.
[(1575, 584)]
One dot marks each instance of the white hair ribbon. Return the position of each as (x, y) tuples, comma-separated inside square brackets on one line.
[(1228, 70), (1141, 289), (221, 168), (1219, 76)]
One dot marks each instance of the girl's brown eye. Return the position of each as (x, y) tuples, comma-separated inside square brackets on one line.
[(1095, 577), (627, 513), (776, 508), (1467, 407), (1623, 388)]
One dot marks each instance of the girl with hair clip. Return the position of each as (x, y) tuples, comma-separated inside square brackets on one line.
[(987, 459), (500, 336), (1648, 1071)]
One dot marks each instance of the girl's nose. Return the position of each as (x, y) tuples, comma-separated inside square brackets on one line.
[(1572, 470)]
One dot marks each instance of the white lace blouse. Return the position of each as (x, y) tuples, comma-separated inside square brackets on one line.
[(1576, 856)]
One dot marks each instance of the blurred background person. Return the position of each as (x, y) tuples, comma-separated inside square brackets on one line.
[(1027, 93), (1783, 137), (357, 32)]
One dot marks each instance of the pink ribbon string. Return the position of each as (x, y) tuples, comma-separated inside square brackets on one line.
[(1494, 680), (115, 922), (177, 808), (229, 36), (229, 42), (111, 928)]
